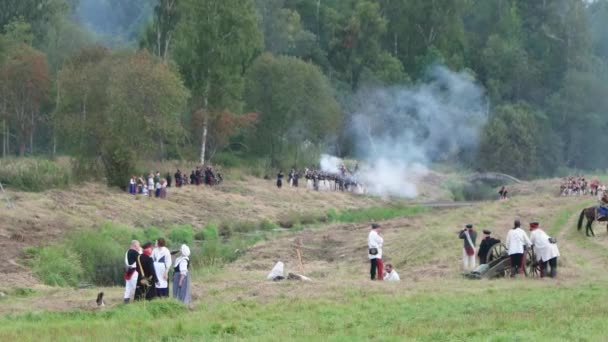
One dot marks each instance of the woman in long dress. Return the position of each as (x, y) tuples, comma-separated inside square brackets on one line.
[(181, 276), (162, 264)]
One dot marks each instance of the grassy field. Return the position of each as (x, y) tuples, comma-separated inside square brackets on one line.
[(477, 311), (433, 302)]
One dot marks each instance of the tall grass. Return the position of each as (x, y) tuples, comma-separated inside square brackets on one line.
[(374, 213), (34, 174)]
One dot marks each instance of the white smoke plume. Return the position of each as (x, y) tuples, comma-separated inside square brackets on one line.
[(400, 130)]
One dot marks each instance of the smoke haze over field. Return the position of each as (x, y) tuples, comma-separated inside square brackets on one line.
[(399, 130), (115, 21)]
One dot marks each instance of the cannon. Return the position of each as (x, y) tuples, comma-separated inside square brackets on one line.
[(499, 264)]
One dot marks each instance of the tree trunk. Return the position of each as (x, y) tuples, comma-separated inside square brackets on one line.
[(205, 120), (204, 142), (4, 138), (32, 133)]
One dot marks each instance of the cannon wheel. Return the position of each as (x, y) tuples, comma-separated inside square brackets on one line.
[(531, 267), (496, 252)]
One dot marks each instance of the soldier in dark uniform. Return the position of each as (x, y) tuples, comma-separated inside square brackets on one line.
[(280, 179), (146, 277), (485, 245)]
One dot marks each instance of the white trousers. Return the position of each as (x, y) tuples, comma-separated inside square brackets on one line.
[(468, 261), (130, 286)]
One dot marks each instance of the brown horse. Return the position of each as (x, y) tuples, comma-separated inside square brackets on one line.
[(591, 214)]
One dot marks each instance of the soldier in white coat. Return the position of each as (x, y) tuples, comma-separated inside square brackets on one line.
[(517, 241), (545, 249)]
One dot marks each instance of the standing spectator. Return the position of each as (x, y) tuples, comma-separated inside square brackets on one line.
[(280, 179), (146, 275), (132, 188), (517, 242), (193, 178), (374, 244), (198, 175), (181, 276), (545, 249), (162, 264), (158, 188), (163, 188), (468, 235), (150, 184), (131, 270), (168, 179), (178, 178)]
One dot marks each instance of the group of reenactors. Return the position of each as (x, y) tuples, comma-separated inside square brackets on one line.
[(578, 185), (201, 175), (517, 243), (318, 180)]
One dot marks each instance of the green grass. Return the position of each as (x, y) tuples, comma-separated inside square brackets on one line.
[(33, 174), (374, 213), (521, 313)]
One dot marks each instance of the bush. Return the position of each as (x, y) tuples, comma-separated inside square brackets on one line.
[(244, 227), (58, 266), (268, 225), (119, 162), (33, 174), (225, 231), (181, 234), (101, 256), (153, 234)]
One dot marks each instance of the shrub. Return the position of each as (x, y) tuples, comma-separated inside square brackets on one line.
[(268, 225), (119, 161), (225, 231), (58, 266), (181, 234), (33, 174), (332, 215), (152, 234), (101, 256), (245, 227)]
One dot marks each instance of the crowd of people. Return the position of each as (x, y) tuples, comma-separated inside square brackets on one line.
[(517, 242), (154, 185), (148, 268), (578, 185), (318, 180)]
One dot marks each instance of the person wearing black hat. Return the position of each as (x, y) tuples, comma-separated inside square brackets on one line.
[(374, 253), (146, 278), (469, 235), (485, 245), (545, 249), (517, 241)]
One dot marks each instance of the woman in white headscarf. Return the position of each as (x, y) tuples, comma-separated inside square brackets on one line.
[(181, 276)]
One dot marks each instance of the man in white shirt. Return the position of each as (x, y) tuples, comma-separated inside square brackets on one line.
[(391, 274), (374, 252), (545, 249), (517, 241)]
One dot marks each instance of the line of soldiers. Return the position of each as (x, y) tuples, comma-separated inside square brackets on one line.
[(574, 186), (318, 180)]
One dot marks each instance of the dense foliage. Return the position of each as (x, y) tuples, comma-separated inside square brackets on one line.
[(108, 82)]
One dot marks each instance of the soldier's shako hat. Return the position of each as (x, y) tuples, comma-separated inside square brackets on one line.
[(487, 232), (469, 226), (533, 225), (375, 226)]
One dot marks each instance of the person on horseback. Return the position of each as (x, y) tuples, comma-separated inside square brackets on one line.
[(602, 210)]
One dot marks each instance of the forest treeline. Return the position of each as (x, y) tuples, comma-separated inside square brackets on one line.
[(110, 82)]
